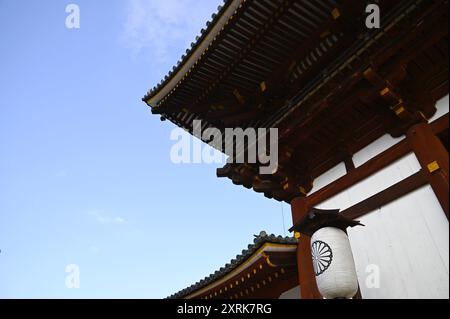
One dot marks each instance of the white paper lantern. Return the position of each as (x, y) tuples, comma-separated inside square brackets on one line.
[(333, 263)]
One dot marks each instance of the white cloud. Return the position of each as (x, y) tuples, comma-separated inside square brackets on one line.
[(119, 220), (103, 218), (165, 26)]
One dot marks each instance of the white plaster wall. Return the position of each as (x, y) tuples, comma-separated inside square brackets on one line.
[(405, 244), (407, 241), (373, 149), (441, 109), (403, 250), (329, 176), (376, 147), (293, 293), (389, 176)]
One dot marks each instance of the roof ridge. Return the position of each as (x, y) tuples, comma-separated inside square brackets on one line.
[(258, 241)]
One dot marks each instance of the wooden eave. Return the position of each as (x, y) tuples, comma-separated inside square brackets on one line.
[(330, 85), (271, 274), (256, 40), (384, 85), (264, 270)]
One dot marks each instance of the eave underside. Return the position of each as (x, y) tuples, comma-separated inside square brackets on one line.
[(328, 84), (265, 269)]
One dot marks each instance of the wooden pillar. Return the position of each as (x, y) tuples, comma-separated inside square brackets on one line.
[(306, 275), (433, 157)]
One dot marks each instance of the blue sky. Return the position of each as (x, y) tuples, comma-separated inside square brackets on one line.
[(85, 171)]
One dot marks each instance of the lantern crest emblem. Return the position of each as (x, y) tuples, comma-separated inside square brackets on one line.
[(322, 255)]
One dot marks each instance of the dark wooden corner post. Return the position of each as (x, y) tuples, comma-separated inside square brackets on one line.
[(306, 276), (433, 157)]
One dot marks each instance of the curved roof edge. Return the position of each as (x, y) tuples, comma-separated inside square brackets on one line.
[(188, 60), (259, 241)]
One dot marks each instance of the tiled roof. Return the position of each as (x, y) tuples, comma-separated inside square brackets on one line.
[(258, 242), (189, 51)]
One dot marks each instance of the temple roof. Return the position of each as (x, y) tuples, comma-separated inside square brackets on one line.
[(240, 48), (263, 245), (189, 54), (313, 70)]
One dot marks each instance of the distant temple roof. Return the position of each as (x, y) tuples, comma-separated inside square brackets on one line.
[(269, 256)]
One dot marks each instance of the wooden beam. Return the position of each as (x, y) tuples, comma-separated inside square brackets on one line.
[(306, 274), (360, 173), (433, 157), (281, 259), (425, 20), (440, 125), (308, 286), (282, 7), (370, 167), (349, 165), (237, 118), (387, 195), (286, 283)]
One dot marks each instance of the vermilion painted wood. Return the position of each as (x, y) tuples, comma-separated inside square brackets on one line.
[(428, 148), (306, 275)]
